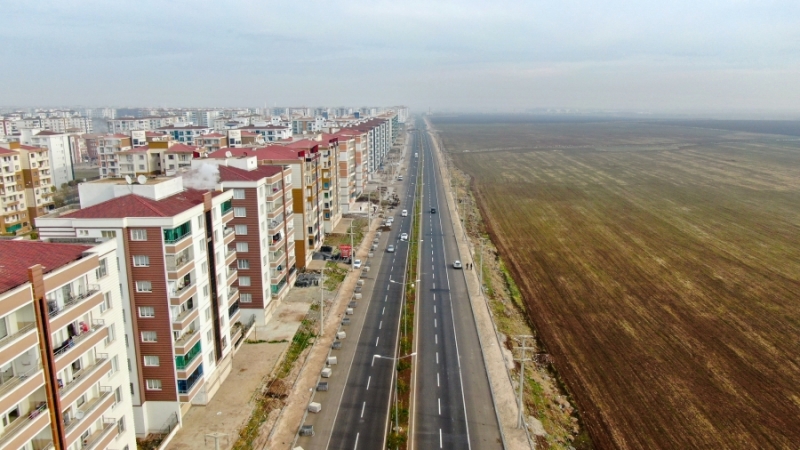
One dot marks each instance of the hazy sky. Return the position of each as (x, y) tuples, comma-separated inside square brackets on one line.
[(622, 54)]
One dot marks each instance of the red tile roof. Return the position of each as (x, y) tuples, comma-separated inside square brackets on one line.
[(212, 135), (141, 148), (227, 173), (154, 134), (135, 206), (185, 127), (18, 256), (47, 133), (278, 152), (6, 151), (181, 148), (248, 134)]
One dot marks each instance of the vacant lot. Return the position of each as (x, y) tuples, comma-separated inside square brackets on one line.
[(661, 267)]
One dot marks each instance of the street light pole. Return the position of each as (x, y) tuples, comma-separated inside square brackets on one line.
[(322, 300), (396, 395)]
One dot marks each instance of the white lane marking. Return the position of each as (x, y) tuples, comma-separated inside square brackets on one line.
[(437, 358), (392, 267), (437, 380), (380, 325), (376, 341), (439, 401), (387, 287), (435, 324), (440, 438), (434, 285), (434, 309), (436, 338), (433, 275), (363, 405), (386, 298), (370, 379), (356, 446), (434, 297)]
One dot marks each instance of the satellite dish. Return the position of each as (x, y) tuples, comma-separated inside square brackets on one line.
[(228, 154), (141, 179), (128, 179)]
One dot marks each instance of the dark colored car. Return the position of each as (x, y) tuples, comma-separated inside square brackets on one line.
[(433, 210)]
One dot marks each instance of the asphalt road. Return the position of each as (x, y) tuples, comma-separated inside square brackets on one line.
[(454, 407), (362, 418)]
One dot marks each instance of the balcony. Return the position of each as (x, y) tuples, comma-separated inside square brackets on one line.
[(85, 378), (17, 388), (88, 413), (174, 239), (227, 235), (233, 310), (230, 255), (102, 437), (189, 361), (187, 341), (185, 318), (80, 344), (231, 275), (277, 288), (233, 293), (189, 387), (25, 427), (16, 343), (74, 306), (176, 263), (180, 295)]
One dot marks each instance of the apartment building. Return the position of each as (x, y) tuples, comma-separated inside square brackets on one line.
[(14, 216), (137, 161), (176, 157), (178, 277), (38, 180), (306, 190), (328, 146), (57, 124), (58, 149), (346, 172), (270, 131), (127, 124), (212, 142), (63, 378), (186, 134), (108, 147), (378, 142), (360, 142), (262, 206)]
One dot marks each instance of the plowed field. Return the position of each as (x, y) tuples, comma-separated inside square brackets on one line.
[(661, 268)]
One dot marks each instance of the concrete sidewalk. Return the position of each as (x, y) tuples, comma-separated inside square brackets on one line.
[(505, 401)]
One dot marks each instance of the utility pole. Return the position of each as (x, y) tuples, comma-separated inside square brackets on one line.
[(322, 299), (522, 359)]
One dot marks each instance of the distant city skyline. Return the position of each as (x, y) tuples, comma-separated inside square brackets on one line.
[(674, 57)]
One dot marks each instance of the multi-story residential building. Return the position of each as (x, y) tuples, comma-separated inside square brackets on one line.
[(177, 157), (262, 204), (177, 270), (328, 146), (92, 142), (64, 381), (212, 142), (14, 215), (37, 178), (306, 179), (127, 124), (346, 172), (304, 125), (57, 124), (107, 149), (58, 149), (186, 134), (379, 142), (270, 131), (361, 140), (137, 161)]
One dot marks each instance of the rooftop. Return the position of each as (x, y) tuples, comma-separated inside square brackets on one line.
[(181, 148), (133, 205), (18, 256), (278, 152), (227, 173)]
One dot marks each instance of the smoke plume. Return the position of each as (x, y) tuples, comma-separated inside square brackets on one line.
[(203, 177)]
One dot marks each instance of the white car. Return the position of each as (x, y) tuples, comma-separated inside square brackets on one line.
[(390, 249), (456, 264), (404, 237), (404, 213), (357, 264), (400, 178)]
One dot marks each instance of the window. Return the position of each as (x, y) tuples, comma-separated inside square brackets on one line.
[(112, 334), (108, 234), (117, 395), (114, 366), (207, 314), (202, 245), (240, 229), (210, 356), (147, 311), (144, 286), (242, 264), (141, 166), (141, 261), (102, 269), (204, 268), (153, 385), (126, 340), (121, 424), (151, 361), (224, 341), (244, 281), (238, 194), (200, 222), (241, 247), (149, 336), (138, 235), (209, 336), (83, 232), (205, 290), (239, 212), (246, 298), (106, 302)]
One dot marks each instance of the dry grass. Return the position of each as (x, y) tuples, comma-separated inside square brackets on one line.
[(661, 267)]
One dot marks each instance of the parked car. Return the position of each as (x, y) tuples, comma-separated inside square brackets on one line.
[(404, 237), (433, 210), (400, 178), (404, 213), (357, 264), (457, 264), (390, 249)]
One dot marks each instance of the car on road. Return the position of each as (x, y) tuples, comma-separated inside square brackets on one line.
[(433, 210), (404, 213), (404, 237), (390, 249), (357, 264), (400, 178), (456, 264)]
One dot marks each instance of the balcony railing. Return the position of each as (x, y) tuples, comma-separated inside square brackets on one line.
[(175, 264), (99, 359), (178, 292), (14, 336), (232, 291), (108, 426), (184, 361), (185, 338), (72, 300), (227, 231), (87, 408), (75, 340), (175, 239), (14, 381), (11, 430)]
